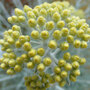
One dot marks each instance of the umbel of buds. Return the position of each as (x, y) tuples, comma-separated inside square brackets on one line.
[(37, 36)]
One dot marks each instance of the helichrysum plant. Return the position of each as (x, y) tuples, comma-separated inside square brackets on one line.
[(36, 40)]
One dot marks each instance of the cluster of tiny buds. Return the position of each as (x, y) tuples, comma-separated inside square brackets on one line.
[(48, 28)]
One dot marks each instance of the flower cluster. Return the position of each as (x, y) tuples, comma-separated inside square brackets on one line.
[(37, 36)]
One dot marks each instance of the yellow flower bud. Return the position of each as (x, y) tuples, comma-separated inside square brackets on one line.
[(11, 41), (60, 24), (14, 19), (50, 11), (68, 67), (66, 56), (56, 16), (71, 24), (88, 31), (52, 44), (25, 57), (75, 58), (73, 31), (82, 61), (57, 70), (35, 34), (85, 37), (3, 66), (37, 59), (19, 60), (64, 46), (30, 14), (49, 25), (57, 34), (12, 63), (27, 46), (62, 83), (61, 63), (77, 43), (41, 20), (75, 64), (22, 39), (72, 78), (80, 33), (35, 11), (17, 68), (17, 44), (27, 8), (30, 65), (27, 38), (15, 28), (76, 72), (57, 78), (32, 23), (43, 12), (40, 51), (10, 20), (18, 12), (21, 19), (70, 39), (47, 61), (10, 71), (64, 74), (83, 44), (32, 53), (15, 34), (45, 34), (65, 32), (65, 13), (40, 67)]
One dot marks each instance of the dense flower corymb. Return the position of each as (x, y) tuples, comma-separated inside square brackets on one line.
[(37, 36)]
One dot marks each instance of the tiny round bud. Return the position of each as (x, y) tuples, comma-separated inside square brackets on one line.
[(64, 46), (41, 20), (49, 25), (61, 63), (62, 83), (30, 14), (83, 44), (27, 8), (15, 34), (32, 22), (35, 34), (80, 33), (68, 67), (66, 56), (56, 16), (77, 43), (64, 74), (45, 34), (65, 13), (52, 44), (40, 67), (73, 31), (75, 64), (57, 34), (65, 32), (75, 58), (32, 53), (10, 20), (12, 63), (27, 46), (43, 12), (22, 39), (47, 61), (70, 39), (57, 70), (15, 28), (37, 59), (82, 61), (30, 65), (18, 44), (40, 51), (76, 72), (85, 37), (19, 60), (18, 12), (10, 71), (72, 78), (17, 68), (21, 19), (57, 78), (60, 24)]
